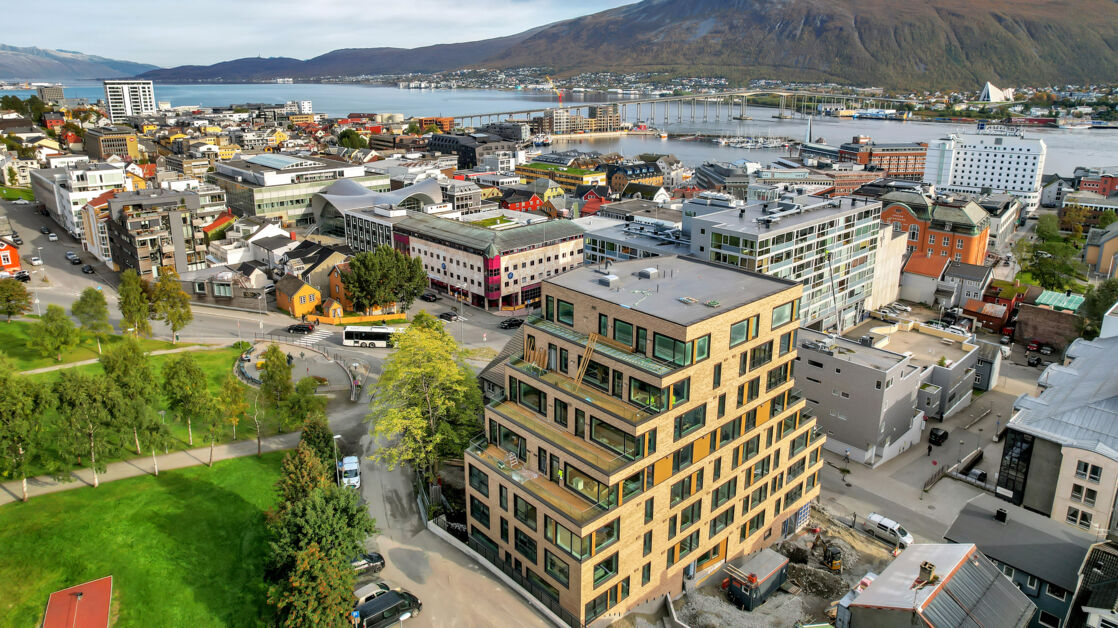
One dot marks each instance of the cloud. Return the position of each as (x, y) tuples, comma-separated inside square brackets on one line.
[(207, 31)]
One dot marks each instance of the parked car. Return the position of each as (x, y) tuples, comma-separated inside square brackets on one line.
[(370, 591), (369, 561), (978, 475), (1033, 345), (349, 472), (511, 323), (429, 297), (87, 269), (1006, 340), (74, 261), (388, 609), (52, 237), (887, 530), (300, 328), (937, 436), (1033, 360), (36, 261), (1045, 350), (448, 316), (70, 254), (22, 275), (896, 305), (44, 230), (16, 240)]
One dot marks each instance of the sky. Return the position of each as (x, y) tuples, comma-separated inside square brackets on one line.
[(202, 32)]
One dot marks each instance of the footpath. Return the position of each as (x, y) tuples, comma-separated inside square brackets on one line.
[(83, 478), (58, 367)]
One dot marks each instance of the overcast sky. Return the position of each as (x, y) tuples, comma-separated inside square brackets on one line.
[(207, 31)]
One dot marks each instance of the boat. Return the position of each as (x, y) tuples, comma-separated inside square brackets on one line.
[(1073, 123), (542, 139), (663, 135)]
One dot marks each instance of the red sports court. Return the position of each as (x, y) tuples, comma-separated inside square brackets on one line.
[(82, 606)]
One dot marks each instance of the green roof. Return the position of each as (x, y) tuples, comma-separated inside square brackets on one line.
[(535, 165), (1006, 289), (1060, 300)]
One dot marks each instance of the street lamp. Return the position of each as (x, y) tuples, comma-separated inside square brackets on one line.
[(337, 471)]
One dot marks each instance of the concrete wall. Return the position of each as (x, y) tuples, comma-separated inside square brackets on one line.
[(1049, 326), (887, 267), (918, 288)]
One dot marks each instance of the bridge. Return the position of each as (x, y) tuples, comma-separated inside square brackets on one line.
[(694, 107)]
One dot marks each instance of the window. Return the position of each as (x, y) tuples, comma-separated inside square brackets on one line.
[(681, 458), (1008, 571), (580, 423), (524, 512), (532, 397), (688, 544), (525, 545), (623, 332), (614, 439), (784, 314), (729, 432), (686, 487), (649, 510), (1078, 517), (721, 406), (1048, 619), (560, 412), (549, 311), (702, 348), (646, 395), (504, 530), (671, 350), (566, 313), (779, 375), (563, 359), (504, 498), (721, 521), (1055, 591), (689, 515), (605, 570), (1086, 471), (479, 511), (753, 389), (199, 286), (787, 341), (606, 535), (744, 331), (603, 325), (646, 573), (717, 375), (564, 539), (723, 493), (479, 480), (592, 490), (648, 543), (597, 375), (1031, 582), (556, 568), (689, 421), (761, 355)]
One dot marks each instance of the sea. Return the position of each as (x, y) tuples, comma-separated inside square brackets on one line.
[(1067, 148)]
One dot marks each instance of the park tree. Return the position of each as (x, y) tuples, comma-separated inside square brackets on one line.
[(303, 404), (172, 303), (352, 139), (185, 388), (92, 311), (54, 333), (23, 403), (155, 433), (1096, 302), (317, 436), (427, 401), (413, 128), (1073, 218), (382, 276), (1054, 265), (301, 473), (135, 307), (1107, 218), (231, 401), (129, 368), (317, 592), (333, 516), (14, 298), (90, 408), (275, 377), (1048, 227)]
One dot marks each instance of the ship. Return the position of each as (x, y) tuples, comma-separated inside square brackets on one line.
[(542, 139), (663, 135), (1073, 123)]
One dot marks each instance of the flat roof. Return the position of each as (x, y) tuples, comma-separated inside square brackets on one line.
[(926, 349), (893, 587), (686, 290), (624, 232), (640, 208), (849, 350), (815, 209)]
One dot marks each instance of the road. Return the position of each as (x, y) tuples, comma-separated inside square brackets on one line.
[(448, 583)]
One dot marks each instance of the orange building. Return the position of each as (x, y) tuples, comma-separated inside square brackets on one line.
[(445, 124), (296, 297), (9, 256), (939, 226), (337, 288)]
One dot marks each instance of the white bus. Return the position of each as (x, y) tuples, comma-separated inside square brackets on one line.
[(367, 336)]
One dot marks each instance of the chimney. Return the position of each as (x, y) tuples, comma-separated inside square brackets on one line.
[(1000, 515), (927, 571)]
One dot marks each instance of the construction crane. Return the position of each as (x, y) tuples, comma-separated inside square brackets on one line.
[(555, 89)]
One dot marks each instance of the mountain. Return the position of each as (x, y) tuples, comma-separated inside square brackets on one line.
[(42, 63), (344, 62), (890, 43)]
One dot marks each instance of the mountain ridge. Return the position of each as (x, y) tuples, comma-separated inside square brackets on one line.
[(46, 63)]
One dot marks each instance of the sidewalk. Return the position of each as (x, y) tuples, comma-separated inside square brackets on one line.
[(58, 367), (83, 478)]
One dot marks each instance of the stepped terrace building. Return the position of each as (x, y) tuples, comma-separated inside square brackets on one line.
[(649, 430)]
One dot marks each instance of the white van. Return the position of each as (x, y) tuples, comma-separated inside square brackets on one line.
[(350, 469), (887, 530)]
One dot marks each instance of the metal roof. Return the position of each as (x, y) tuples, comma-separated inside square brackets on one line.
[(967, 272), (478, 238), (281, 162), (1060, 300), (1040, 546)]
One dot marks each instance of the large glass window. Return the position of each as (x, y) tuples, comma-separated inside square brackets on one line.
[(690, 421), (549, 312), (525, 513), (632, 485), (671, 350), (779, 375), (594, 491), (561, 411), (511, 441), (783, 314), (744, 331), (681, 392), (702, 348), (578, 547), (605, 570), (761, 355), (479, 480), (688, 544), (479, 511), (597, 375), (646, 395), (566, 313), (525, 544), (606, 535), (623, 332), (532, 397), (556, 568), (683, 457), (614, 439)]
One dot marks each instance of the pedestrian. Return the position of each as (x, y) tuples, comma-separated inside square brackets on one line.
[(929, 449), (846, 456)]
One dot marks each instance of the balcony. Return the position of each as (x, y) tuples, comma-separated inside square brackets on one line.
[(562, 501), (598, 457), (640, 361), (585, 392)]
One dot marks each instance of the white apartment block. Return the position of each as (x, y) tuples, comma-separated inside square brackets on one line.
[(65, 191), (989, 160), (129, 98)]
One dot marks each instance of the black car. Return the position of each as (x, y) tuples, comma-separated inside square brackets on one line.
[(369, 561), (448, 316), (429, 297), (300, 328), (16, 240), (87, 269), (44, 230), (74, 261), (511, 323), (23, 276), (389, 609), (1032, 360), (937, 436)]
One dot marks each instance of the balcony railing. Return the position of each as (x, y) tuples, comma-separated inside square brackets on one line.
[(585, 392), (602, 459), (560, 500), (659, 368)]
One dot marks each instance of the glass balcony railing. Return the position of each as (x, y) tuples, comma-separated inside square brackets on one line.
[(585, 392), (602, 459), (656, 367), (560, 500)]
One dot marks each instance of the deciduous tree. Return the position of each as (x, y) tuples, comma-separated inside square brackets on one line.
[(318, 592), (1054, 265), (23, 404), (184, 386), (352, 139), (1107, 218), (129, 368), (303, 404), (427, 401), (92, 311), (172, 303), (54, 333), (333, 517), (135, 308), (14, 298), (89, 407), (1048, 227), (1096, 302), (317, 436), (231, 401), (1073, 219), (275, 377), (384, 276)]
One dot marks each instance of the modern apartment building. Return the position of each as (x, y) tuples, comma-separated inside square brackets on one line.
[(65, 191), (649, 430), (567, 176), (47, 93), (129, 98), (281, 186), (828, 244), (1061, 447), (990, 159), (101, 143), (152, 229), (939, 226)]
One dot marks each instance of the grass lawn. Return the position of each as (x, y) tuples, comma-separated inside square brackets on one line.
[(1027, 278), (493, 222), (186, 548), (14, 194), (14, 343)]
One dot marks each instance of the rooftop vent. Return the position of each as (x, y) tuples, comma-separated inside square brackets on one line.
[(648, 273), (609, 281), (1000, 515), (866, 341)]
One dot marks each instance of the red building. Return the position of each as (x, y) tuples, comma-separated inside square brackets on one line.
[(9, 256), (1105, 184), (955, 229), (521, 201), (900, 161)]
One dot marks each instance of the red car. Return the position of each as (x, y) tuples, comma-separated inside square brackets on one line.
[(1033, 345)]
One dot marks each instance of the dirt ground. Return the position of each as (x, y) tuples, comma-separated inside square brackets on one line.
[(820, 588)]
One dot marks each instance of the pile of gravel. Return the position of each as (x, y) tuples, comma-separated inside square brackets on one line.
[(818, 582)]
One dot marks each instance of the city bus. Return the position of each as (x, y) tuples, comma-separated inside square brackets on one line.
[(367, 336)]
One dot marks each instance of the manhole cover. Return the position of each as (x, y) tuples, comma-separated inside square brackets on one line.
[(849, 484), (931, 507)]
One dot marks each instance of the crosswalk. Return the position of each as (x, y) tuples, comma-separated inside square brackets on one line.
[(314, 337)]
